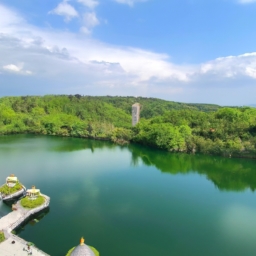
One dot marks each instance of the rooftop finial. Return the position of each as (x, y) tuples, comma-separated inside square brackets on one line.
[(81, 241)]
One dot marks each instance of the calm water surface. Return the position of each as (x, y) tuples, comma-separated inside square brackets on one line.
[(134, 200)]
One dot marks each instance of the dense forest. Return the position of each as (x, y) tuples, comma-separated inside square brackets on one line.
[(154, 107), (172, 126)]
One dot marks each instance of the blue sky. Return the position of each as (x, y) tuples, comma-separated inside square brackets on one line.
[(187, 50)]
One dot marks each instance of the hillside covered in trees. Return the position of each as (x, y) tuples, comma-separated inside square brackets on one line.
[(151, 107), (172, 126)]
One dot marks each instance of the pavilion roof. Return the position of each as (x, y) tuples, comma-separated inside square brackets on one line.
[(12, 178), (33, 190)]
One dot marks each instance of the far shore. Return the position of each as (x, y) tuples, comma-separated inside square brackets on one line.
[(123, 143)]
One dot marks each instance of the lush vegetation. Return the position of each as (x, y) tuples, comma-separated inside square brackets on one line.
[(26, 202), (92, 248), (151, 107), (10, 190), (172, 126), (2, 237), (228, 131)]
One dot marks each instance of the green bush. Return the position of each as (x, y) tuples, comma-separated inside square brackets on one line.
[(95, 251), (8, 191), (26, 202), (2, 237), (71, 250)]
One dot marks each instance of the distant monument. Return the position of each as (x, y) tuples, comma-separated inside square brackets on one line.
[(135, 113)]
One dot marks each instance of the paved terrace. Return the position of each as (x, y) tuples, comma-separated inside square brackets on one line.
[(13, 220)]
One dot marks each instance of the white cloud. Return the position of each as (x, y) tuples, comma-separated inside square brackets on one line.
[(64, 62), (9, 18), (89, 3), (16, 69), (129, 2), (246, 1), (66, 10), (12, 68), (90, 20), (28, 72), (232, 66), (85, 30)]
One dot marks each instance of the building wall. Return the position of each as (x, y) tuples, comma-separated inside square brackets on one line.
[(135, 113)]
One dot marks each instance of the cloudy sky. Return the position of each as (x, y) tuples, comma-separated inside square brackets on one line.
[(180, 50)]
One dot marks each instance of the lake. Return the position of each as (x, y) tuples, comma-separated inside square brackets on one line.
[(133, 200)]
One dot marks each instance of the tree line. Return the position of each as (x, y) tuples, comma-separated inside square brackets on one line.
[(171, 126)]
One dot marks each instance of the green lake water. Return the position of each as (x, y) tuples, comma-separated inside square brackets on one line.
[(133, 200)]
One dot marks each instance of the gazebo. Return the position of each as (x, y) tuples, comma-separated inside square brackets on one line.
[(11, 181), (83, 250), (33, 193)]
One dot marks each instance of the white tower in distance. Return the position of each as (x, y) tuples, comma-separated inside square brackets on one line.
[(135, 113)]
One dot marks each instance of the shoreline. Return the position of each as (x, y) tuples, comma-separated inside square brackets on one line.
[(124, 143)]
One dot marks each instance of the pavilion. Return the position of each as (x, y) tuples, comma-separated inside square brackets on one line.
[(11, 181), (83, 250), (33, 193)]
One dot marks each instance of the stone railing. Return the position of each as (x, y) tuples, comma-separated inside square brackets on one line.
[(26, 215), (29, 213)]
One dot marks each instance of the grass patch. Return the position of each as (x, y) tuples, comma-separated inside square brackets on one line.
[(2, 237), (28, 203), (69, 252), (92, 248), (95, 251), (8, 191)]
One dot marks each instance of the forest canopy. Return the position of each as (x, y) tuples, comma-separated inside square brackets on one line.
[(171, 126)]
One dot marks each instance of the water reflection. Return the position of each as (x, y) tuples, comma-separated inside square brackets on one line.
[(74, 144), (108, 194), (225, 173), (32, 220)]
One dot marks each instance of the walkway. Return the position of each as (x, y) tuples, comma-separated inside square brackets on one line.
[(7, 248), (13, 220)]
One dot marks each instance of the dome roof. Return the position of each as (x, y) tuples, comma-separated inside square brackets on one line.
[(82, 250)]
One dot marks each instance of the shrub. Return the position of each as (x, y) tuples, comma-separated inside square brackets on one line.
[(2, 237), (8, 191), (26, 202)]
